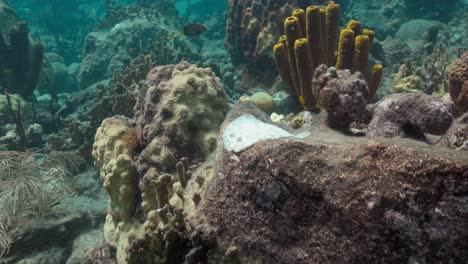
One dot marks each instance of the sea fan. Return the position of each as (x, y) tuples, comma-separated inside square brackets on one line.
[(23, 185)]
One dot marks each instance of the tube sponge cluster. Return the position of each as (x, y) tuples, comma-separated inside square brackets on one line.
[(312, 38), (21, 57)]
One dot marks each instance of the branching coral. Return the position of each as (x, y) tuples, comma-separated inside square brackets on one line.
[(429, 78)]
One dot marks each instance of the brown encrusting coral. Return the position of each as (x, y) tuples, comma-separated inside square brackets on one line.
[(458, 86), (342, 95)]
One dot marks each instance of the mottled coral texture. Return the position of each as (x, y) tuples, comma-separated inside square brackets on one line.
[(342, 95), (178, 113), (458, 85)]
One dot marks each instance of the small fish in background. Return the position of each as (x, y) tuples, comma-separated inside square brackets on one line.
[(193, 30)]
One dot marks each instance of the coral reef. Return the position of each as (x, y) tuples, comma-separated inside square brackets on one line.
[(252, 29), (410, 115), (21, 55)]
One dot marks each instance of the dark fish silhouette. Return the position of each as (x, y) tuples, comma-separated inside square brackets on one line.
[(193, 30)]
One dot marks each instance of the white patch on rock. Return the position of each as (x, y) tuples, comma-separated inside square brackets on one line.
[(247, 130)]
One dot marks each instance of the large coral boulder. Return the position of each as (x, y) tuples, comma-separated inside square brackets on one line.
[(178, 112), (329, 198), (154, 168)]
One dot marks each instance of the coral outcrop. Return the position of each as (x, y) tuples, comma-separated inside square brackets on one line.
[(174, 125), (457, 136), (21, 55), (151, 183), (410, 115), (458, 82)]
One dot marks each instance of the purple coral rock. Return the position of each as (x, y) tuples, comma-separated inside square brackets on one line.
[(342, 94), (404, 114)]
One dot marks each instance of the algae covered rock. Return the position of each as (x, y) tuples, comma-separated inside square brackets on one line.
[(410, 115), (343, 95), (292, 200)]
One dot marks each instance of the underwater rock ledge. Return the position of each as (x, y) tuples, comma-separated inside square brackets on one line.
[(331, 198)]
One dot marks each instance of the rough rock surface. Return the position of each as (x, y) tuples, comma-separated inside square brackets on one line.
[(336, 199), (410, 115)]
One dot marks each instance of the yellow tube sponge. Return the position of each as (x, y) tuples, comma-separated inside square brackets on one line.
[(314, 34), (374, 81), (292, 28), (323, 24), (361, 53), (355, 26), (345, 50), (282, 62), (333, 25), (370, 34), (301, 15), (305, 70), (283, 40)]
